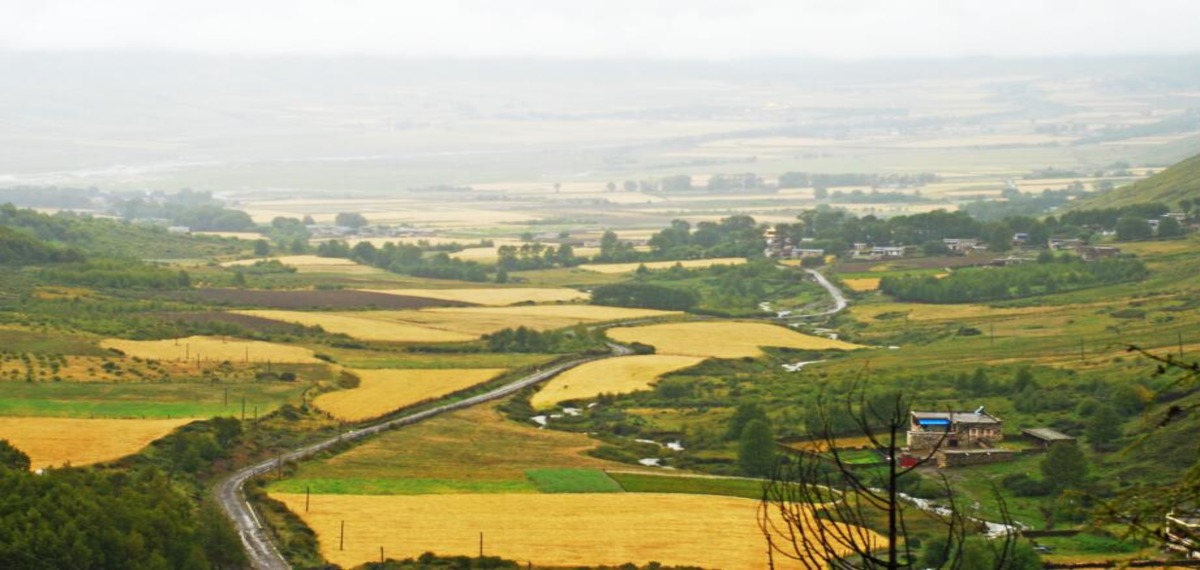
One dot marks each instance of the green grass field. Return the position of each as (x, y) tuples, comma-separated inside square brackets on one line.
[(572, 481), (45, 342), (730, 487), (418, 360), (95, 400), (398, 486)]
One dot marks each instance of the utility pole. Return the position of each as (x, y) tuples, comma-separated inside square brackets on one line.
[(342, 536), (307, 496), (481, 545)]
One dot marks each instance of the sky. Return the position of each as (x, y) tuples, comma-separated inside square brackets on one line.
[(606, 29)]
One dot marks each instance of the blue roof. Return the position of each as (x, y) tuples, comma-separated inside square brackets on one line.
[(933, 422)]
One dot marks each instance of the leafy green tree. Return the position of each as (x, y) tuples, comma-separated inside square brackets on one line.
[(262, 248), (1065, 466), (1103, 428), (1169, 227), (756, 449), (13, 458), (350, 220), (1131, 228), (745, 413)]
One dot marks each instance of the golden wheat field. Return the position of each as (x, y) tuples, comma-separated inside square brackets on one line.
[(365, 325), (608, 528), (923, 312), (311, 264), (611, 375), (652, 265), (495, 297), (210, 349), (727, 339), (485, 320), (385, 391), (581, 313), (862, 284), (53, 442)]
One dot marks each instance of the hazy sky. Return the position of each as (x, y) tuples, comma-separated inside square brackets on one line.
[(670, 29)]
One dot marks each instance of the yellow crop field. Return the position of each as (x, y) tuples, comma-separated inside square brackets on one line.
[(611, 375), (365, 325), (485, 320), (310, 264), (495, 297), (604, 528), (53, 442), (581, 313), (211, 348), (728, 339), (652, 265), (384, 391), (862, 283), (924, 312)]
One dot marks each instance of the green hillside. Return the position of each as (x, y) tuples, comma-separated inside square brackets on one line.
[(1181, 181)]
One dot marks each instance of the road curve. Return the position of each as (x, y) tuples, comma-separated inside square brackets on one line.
[(839, 298), (230, 493)]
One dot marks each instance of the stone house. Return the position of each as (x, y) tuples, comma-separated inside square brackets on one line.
[(954, 430)]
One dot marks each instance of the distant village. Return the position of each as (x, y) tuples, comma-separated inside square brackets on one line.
[(779, 246)]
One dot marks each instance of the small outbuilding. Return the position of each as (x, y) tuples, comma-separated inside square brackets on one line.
[(1045, 437)]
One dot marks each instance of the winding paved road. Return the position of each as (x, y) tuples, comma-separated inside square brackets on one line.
[(230, 492), (839, 298)]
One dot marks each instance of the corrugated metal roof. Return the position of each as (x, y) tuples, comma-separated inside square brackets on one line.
[(958, 417), (1047, 434)]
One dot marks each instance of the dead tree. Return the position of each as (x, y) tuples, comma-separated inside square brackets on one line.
[(818, 511)]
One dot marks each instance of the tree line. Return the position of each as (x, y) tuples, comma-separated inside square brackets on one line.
[(1049, 275)]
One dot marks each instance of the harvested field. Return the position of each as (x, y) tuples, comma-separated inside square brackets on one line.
[(53, 442), (729, 339), (926, 312), (862, 284), (673, 529), (478, 321), (367, 326), (495, 297), (385, 391), (209, 348), (316, 299), (311, 264), (652, 265), (611, 375), (821, 446), (468, 451)]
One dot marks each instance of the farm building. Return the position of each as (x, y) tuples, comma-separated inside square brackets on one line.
[(780, 247), (1045, 437), (1092, 253), (893, 251), (953, 430), (961, 245), (1063, 244)]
